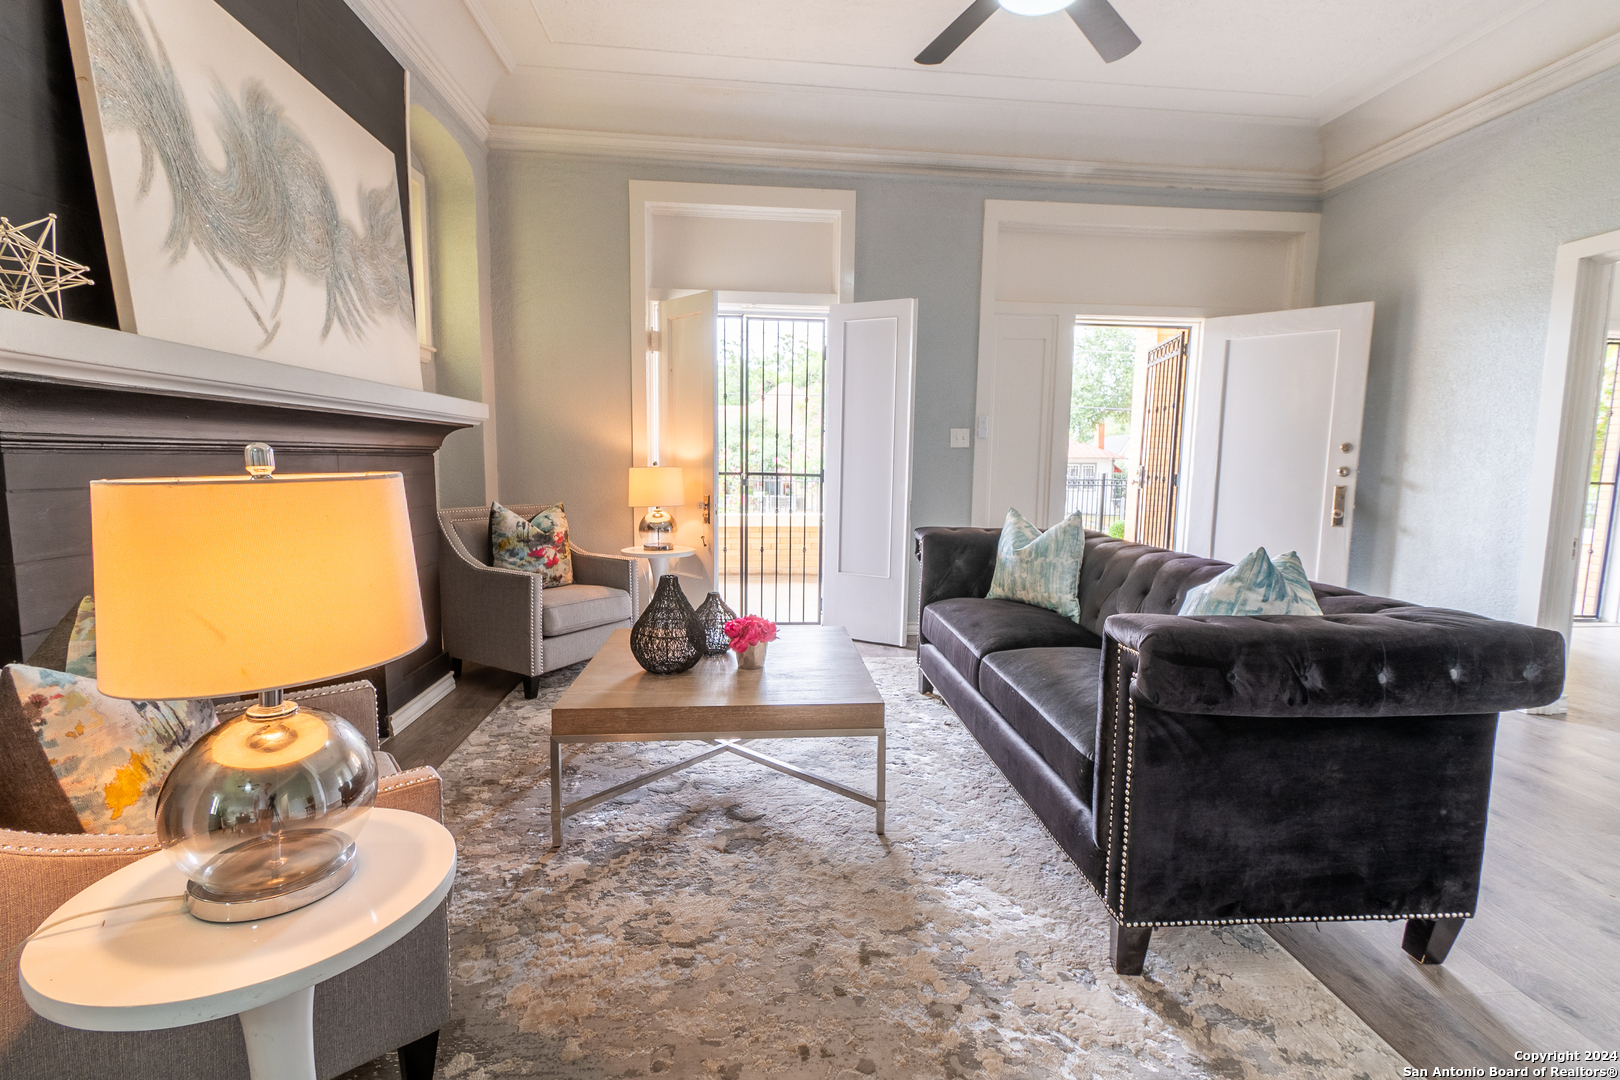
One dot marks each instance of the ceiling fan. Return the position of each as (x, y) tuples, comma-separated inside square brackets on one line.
[(1096, 19)]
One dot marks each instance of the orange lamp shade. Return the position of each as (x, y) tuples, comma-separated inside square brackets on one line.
[(214, 585), (657, 486)]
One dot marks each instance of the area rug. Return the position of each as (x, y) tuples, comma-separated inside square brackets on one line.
[(732, 922)]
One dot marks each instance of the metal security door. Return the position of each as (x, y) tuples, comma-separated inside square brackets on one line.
[(1160, 448), (770, 465)]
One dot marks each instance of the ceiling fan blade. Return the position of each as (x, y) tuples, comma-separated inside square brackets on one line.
[(1103, 27), (956, 33)]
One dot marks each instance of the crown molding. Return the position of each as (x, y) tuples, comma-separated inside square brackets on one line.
[(614, 145), (390, 25), (493, 36), (1544, 82)]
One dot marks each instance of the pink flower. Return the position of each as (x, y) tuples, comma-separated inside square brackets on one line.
[(748, 631)]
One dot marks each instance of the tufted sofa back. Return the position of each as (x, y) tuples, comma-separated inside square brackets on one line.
[(1121, 578)]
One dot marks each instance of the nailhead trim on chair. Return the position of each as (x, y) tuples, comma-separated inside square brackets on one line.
[(78, 851), (408, 783)]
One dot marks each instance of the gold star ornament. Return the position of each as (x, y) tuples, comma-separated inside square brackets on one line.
[(32, 274)]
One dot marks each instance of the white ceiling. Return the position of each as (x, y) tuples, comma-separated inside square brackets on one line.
[(1270, 93)]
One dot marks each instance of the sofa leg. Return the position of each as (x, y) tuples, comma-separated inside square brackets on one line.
[(531, 686), (455, 667), (416, 1060), (1127, 947), (1429, 940), (923, 685)]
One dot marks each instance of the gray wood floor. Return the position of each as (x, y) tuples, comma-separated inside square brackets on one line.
[(1538, 967)]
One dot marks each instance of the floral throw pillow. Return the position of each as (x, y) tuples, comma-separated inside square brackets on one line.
[(110, 756), (1040, 568), (538, 545), (1259, 585), (81, 650)]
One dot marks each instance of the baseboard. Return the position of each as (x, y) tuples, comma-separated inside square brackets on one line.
[(402, 717), (1557, 708)]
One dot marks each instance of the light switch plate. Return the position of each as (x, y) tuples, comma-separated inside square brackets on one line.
[(959, 438)]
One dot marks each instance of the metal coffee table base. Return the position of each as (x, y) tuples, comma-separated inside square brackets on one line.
[(724, 742)]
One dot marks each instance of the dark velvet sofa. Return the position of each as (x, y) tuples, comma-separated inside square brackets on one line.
[(1217, 769)]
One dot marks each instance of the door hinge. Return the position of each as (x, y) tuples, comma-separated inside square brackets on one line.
[(653, 341)]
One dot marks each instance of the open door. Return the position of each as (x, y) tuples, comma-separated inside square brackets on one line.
[(1153, 515), (1023, 426), (866, 510), (686, 404), (1276, 436)]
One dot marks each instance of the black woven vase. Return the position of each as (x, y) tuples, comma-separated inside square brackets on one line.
[(667, 639), (712, 616)]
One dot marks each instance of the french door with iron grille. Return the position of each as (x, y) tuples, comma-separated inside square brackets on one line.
[(769, 461), (1160, 459)]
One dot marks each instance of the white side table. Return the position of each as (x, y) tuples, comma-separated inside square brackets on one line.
[(657, 562), (154, 966)]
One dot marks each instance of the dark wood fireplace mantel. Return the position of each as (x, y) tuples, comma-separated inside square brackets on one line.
[(81, 403)]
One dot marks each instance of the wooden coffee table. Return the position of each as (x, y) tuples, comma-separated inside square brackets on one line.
[(814, 685)]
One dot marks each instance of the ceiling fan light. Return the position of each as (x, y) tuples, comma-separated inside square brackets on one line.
[(1034, 7)]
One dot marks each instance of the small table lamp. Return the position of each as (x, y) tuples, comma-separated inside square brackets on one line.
[(656, 488), (212, 586)]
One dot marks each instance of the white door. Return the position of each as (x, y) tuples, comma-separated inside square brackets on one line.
[(686, 404), (866, 496), (1276, 436), (1022, 437)]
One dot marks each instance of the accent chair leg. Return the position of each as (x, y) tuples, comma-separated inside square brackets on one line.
[(455, 667), (531, 686), (416, 1060), (923, 685), (1429, 940), (1127, 947)]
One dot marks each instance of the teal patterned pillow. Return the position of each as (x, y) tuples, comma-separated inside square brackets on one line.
[(1040, 568), (537, 546), (1259, 585)]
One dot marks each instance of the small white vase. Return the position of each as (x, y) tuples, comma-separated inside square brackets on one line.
[(753, 656)]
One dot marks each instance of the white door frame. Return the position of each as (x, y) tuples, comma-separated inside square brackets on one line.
[(1300, 230), (1577, 328), (650, 199)]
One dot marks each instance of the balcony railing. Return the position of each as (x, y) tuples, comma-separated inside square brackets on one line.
[(1099, 500)]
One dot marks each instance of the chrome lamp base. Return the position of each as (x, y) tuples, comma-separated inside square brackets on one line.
[(250, 905)]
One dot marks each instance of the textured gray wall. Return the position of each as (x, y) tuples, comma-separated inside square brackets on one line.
[(1456, 245), (560, 240), (457, 170), (453, 245)]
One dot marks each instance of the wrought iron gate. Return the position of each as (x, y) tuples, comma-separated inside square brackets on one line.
[(1160, 460), (768, 460)]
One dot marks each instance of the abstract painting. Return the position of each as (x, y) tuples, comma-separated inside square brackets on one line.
[(244, 211)]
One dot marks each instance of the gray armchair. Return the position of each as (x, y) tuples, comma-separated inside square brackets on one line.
[(396, 1000), (503, 618)]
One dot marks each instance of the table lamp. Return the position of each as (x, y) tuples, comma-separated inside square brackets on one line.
[(215, 586), (655, 488)]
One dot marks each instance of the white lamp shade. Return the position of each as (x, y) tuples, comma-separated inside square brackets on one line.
[(657, 486), (216, 585)]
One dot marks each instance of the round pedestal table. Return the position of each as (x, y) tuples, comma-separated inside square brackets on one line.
[(657, 562), (155, 966)]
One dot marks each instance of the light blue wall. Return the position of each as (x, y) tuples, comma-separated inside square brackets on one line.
[(457, 169), (562, 314), (1456, 245)]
